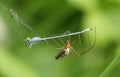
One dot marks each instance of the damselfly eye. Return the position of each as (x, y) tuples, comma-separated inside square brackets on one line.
[(29, 42)]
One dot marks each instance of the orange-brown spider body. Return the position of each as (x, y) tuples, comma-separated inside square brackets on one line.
[(65, 51)]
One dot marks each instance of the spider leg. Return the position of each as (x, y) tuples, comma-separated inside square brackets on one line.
[(74, 52), (79, 39), (69, 38), (88, 39), (56, 42), (61, 41), (51, 46), (85, 51), (92, 46), (68, 32)]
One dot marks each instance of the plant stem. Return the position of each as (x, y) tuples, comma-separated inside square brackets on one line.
[(110, 66)]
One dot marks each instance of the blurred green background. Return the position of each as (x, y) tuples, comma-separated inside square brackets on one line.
[(51, 17)]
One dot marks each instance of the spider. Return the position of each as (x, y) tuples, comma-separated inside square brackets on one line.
[(67, 48)]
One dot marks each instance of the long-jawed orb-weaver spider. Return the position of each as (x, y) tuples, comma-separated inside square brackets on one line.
[(65, 51), (67, 48)]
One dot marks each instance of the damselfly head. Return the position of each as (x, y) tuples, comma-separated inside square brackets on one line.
[(29, 42), (32, 41)]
